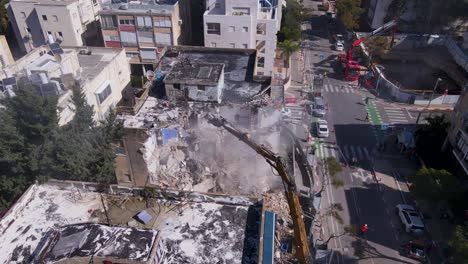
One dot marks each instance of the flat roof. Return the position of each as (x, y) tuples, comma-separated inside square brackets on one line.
[(89, 239), (93, 64), (141, 6), (46, 2), (43, 208), (195, 228), (239, 86), (186, 72)]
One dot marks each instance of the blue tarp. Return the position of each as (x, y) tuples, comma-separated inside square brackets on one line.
[(268, 237), (168, 135), (144, 217)]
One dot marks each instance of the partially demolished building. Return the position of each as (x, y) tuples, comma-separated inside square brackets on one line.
[(168, 143)]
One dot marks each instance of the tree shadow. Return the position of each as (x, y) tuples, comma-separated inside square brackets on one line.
[(363, 250)]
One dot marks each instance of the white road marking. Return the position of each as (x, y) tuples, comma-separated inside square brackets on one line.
[(366, 152), (352, 151), (347, 90), (346, 150), (398, 186), (360, 153), (409, 114)]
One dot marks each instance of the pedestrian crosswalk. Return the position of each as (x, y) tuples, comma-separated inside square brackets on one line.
[(330, 88), (343, 152), (294, 112), (396, 115)]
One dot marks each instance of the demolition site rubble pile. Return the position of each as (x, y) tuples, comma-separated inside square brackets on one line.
[(184, 151)]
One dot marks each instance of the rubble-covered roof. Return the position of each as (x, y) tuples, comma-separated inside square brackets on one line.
[(86, 240), (239, 86), (43, 207), (194, 73)]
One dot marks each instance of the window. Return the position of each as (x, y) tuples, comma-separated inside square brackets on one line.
[(127, 22), (245, 29), (111, 38), (213, 28), (245, 46), (162, 22), (144, 22), (132, 54), (60, 34), (232, 29), (49, 33), (201, 87), (239, 11), (213, 44), (148, 53), (28, 29), (95, 2), (176, 86), (232, 45), (261, 28), (128, 38), (145, 36), (261, 62), (23, 15), (103, 92), (44, 17), (163, 38), (54, 18), (109, 21)]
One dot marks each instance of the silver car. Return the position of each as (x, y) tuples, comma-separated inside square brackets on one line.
[(319, 107), (411, 219)]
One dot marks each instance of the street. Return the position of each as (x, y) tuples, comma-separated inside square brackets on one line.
[(355, 129)]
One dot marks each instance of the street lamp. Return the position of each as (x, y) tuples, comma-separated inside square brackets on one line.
[(430, 100)]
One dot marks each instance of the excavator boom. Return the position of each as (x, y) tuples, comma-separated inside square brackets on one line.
[(302, 246)]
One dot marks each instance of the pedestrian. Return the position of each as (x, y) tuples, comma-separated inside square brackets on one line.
[(367, 117), (367, 100), (364, 229)]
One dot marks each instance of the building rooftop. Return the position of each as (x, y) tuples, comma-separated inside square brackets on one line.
[(239, 86), (41, 209), (141, 6), (195, 228), (195, 73), (98, 59), (87, 240)]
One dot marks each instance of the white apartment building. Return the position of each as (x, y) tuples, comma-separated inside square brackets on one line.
[(5, 54), (101, 73), (73, 22), (244, 24)]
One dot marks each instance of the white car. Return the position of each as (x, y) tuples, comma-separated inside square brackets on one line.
[(286, 112), (339, 38), (339, 46), (322, 128), (411, 219)]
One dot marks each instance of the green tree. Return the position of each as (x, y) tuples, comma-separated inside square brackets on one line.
[(288, 47), (27, 123), (83, 119), (436, 185), (377, 46), (293, 14), (459, 244), (3, 17), (349, 12)]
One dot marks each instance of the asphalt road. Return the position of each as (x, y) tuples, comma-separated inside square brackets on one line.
[(352, 136)]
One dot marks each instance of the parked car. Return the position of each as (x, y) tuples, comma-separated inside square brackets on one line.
[(416, 249), (319, 107), (322, 128), (286, 112), (339, 46), (339, 38), (411, 219)]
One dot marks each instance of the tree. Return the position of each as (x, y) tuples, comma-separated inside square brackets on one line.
[(83, 119), (293, 14), (349, 12), (3, 17), (436, 185), (377, 46), (288, 47), (430, 138), (459, 244)]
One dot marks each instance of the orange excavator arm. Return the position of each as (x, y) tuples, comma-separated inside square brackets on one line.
[(302, 246)]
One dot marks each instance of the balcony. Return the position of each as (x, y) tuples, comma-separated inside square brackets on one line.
[(460, 150)]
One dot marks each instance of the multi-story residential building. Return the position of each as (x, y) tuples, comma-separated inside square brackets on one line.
[(5, 54), (71, 22), (145, 27), (458, 132), (101, 73), (249, 24)]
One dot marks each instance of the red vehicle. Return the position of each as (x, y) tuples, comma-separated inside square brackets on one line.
[(351, 68)]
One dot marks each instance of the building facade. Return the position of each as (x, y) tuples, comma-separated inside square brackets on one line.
[(251, 24), (101, 73), (71, 22), (458, 132), (5, 54), (146, 27)]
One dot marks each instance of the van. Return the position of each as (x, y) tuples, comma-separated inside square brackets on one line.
[(319, 107)]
